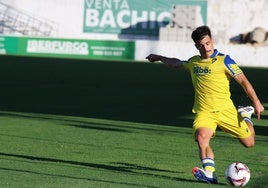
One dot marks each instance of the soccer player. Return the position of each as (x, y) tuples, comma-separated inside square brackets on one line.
[(211, 72)]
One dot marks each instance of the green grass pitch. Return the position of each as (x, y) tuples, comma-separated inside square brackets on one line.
[(77, 123)]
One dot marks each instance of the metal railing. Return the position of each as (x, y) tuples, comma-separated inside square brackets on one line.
[(17, 22)]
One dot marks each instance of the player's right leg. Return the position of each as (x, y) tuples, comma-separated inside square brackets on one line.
[(207, 173), (205, 176), (204, 129)]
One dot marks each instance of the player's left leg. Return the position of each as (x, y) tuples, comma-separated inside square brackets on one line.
[(248, 142), (238, 123), (245, 113)]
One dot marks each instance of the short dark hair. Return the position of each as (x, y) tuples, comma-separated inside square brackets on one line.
[(200, 32)]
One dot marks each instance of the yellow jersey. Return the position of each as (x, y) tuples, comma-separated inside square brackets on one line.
[(211, 81)]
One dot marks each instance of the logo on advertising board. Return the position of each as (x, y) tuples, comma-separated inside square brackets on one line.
[(115, 16), (130, 17), (57, 46)]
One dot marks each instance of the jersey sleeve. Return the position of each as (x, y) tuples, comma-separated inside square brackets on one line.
[(232, 68), (185, 65)]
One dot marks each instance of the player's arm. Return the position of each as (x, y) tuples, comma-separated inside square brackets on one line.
[(249, 90), (171, 62)]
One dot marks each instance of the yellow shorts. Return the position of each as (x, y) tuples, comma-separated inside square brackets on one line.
[(227, 120)]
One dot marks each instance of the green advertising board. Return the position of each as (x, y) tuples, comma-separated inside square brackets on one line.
[(8, 45), (132, 17), (67, 48)]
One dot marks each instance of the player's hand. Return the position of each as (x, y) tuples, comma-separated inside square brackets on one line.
[(153, 57), (258, 109)]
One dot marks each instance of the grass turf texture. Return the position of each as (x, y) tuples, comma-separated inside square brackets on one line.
[(75, 123)]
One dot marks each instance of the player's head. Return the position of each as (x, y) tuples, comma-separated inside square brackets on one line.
[(200, 32), (203, 41)]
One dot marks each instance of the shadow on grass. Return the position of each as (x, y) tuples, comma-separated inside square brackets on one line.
[(73, 177), (104, 125), (125, 91), (114, 167)]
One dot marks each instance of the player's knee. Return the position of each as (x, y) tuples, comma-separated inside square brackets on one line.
[(203, 134), (202, 139), (249, 144)]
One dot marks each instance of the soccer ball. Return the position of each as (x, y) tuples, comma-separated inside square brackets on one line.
[(237, 174)]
